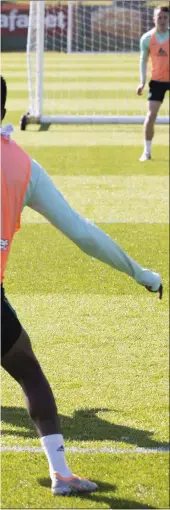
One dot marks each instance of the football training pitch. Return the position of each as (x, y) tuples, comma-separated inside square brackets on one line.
[(101, 339)]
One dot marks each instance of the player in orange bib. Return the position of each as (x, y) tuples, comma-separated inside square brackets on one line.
[(155, 44), (25, 183)]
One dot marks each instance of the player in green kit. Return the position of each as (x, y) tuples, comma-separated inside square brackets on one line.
[(155, 44)]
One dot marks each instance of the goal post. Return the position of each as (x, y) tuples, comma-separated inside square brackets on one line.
[(69, 27), (83, 62)]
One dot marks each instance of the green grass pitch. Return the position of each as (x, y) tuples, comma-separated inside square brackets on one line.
[(101, 339)]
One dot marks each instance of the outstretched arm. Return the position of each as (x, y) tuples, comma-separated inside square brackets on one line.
[(43, 197)]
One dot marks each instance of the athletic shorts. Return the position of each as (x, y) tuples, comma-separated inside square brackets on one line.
[(10, 325), (157, 90)]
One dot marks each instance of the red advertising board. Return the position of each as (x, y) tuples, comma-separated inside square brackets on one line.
[(14, 19)]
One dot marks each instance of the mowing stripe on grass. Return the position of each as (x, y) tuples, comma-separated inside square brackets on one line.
[(84, 105), (52, 79), (72, 93), (86, 66), (84, 74), (76, 449), (101, 198), (86, 136), (95, 86), (78, 56), (100, 106)]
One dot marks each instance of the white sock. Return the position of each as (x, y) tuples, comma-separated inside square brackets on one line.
[(53, 447), (147, 146)]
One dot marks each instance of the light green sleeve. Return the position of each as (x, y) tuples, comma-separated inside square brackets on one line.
[(144, 54), (45, 198)]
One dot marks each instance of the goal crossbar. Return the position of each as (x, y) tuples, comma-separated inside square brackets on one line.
[(93, 49)]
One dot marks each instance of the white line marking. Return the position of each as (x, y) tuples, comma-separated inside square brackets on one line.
[(76, 449)]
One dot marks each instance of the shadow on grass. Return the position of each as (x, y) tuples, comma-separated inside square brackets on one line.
[(102, 498), (84, 425), (44, 127)]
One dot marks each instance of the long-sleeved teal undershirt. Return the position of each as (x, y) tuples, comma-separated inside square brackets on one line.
[(144, 50), (44, 197)]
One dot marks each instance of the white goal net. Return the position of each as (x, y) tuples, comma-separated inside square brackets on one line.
[(83, 61)]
